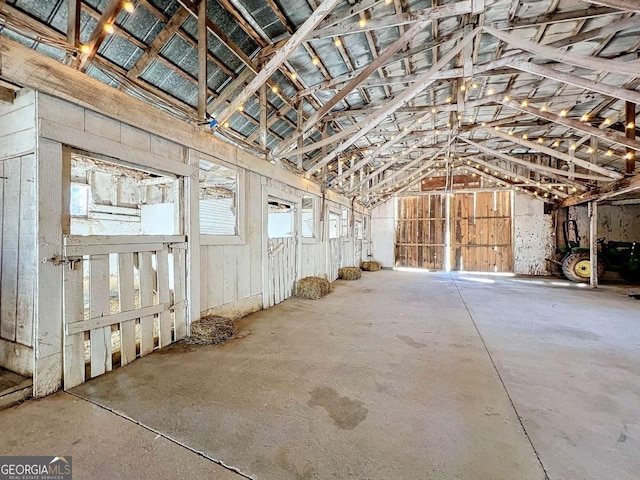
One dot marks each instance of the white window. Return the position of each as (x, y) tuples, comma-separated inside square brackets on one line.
[(218, 199), (334, 225), (308, 217), (345, 222), (281, 220)]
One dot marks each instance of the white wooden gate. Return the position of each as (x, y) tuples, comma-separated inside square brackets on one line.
[(334, 258), (124, 296), (282, 269)]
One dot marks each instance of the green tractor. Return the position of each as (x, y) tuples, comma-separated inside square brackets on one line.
[(575, 261)]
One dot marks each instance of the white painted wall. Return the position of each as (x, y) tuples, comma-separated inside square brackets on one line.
[(383, 234), (534, 236)]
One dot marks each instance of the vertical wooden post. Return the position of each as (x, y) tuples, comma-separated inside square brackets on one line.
[(263, 118), (202, 59), (630, 130), (73, 22), (300, 121), (593, 242)]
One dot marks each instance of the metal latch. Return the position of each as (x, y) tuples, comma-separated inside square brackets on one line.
[(58, 260)]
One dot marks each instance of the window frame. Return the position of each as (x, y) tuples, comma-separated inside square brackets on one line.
[(208, 239), (313, 239)]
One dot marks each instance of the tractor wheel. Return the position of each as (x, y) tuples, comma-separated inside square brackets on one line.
[(577, 267)]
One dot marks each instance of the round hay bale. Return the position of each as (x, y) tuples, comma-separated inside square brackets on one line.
[(312, 288), (211, 330), (349, 273), (371, 266)]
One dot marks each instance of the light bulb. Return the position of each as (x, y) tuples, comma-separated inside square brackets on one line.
[(563, 113), (85, 49), (362, 22), (338, 42), (129, 7), (315, 60), (108, 27)]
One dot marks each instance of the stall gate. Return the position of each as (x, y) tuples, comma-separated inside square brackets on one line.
[(282, 269), (334, 258), (124, 296)]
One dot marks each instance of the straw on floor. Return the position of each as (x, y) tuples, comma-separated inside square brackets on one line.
[(211, 330), (370, 266), (350, 273), (312, 288)]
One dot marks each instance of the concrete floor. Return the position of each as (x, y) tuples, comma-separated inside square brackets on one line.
[(397, 375)]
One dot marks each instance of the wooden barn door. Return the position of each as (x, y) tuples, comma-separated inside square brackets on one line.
[(481, 234), (283, 227), (420, 232)]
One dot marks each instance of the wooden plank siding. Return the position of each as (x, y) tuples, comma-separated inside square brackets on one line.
[(480, 228)]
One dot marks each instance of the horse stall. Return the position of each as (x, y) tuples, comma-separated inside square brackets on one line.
[(114, 239)]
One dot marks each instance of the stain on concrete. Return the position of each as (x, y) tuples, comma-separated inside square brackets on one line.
[(282, 461), (623, 436), (346, 413), (410, 341)]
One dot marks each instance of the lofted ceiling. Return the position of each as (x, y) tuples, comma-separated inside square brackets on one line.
[(375, 98)]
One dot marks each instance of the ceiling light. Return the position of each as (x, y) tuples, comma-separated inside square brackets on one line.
[(525, 137), (362, 22), (573, 146), (609, 153), (294, 76), (584, 118), (240, 108), (525, 103), (491, 91), (128, 6), (463, 87), (85, 49), (338, 42), (564, 112), (507, 98), (540, 139), (590, 150), (108, 27), (631, 125), (607, 121), (474, 86), (315, 60), (449, 99), (274, 89), (556, 143), (544, 108)]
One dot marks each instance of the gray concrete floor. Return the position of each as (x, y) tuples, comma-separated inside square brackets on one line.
[(400, 375)]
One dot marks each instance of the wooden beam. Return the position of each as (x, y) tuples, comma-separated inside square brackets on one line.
[(432, 159), (613, 189), (526, 181), (630, 131), (592, 63), (171, 27), (554, 153), (584, 127), (628, 5), (277, 60), (108, 17), (550, 171), (7, 95), (602, 88), (202, 59), (374, 119), (74, 7)]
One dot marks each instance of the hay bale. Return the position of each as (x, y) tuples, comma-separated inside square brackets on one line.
[(371, 266), (349, 273), (312, 288), (211, 330)]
